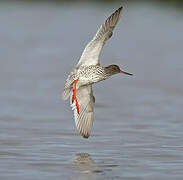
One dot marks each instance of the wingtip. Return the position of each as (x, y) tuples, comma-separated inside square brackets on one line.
[(86, 136), (120, 8)]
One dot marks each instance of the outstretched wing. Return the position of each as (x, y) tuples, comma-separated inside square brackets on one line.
[(84, 120), (92, 51)]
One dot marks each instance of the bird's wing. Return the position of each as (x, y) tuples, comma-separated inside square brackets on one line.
[(91, 53), (84, 120)]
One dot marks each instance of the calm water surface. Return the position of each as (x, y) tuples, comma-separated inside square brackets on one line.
[(138, 127)]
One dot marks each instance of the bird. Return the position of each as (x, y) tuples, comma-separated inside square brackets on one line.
[(87, 72)]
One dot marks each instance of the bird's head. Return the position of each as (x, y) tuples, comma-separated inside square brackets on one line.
[(114, 69)]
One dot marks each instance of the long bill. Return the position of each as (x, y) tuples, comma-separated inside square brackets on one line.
[(123, 72)]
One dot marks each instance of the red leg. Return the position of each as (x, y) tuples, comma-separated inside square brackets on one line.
[(77, 105), (74, 96), (74, 91)]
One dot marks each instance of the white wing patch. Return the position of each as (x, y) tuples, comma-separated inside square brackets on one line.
[(84, 120), (91, 53)]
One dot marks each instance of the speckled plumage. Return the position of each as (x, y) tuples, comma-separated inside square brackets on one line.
[(88, 75), (87, 72)]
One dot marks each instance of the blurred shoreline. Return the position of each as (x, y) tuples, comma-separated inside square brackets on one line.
[(175, 3)]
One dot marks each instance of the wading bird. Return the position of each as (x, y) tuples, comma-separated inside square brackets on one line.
[(87, 72)]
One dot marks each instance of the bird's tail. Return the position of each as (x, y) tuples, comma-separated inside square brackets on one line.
[(66, 93)]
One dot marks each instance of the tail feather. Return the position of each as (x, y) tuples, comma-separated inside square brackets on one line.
[(66, 93)]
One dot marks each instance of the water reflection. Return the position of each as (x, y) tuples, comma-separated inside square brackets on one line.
[(85, 164), (93, 169)]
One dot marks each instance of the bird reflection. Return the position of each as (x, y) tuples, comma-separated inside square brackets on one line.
[(84, 158), (85, 164)]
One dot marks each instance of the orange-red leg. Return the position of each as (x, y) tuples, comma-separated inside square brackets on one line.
[(74, 96)]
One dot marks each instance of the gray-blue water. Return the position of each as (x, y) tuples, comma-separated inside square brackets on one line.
[(138, 125)]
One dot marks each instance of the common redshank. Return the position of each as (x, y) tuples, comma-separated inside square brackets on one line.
[(87, 72)]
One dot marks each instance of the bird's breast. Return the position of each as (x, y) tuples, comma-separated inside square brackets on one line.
[(91, 75)]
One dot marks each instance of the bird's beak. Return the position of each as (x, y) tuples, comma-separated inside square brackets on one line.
[(123, 72)]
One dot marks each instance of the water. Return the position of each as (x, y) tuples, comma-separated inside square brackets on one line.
[(137, 132)]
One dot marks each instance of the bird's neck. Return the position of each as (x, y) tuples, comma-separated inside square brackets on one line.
[(108, 73)]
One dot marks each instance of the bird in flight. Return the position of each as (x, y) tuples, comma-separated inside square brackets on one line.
[(87, 72)]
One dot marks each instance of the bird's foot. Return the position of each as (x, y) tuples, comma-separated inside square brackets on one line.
[(74, 96)]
